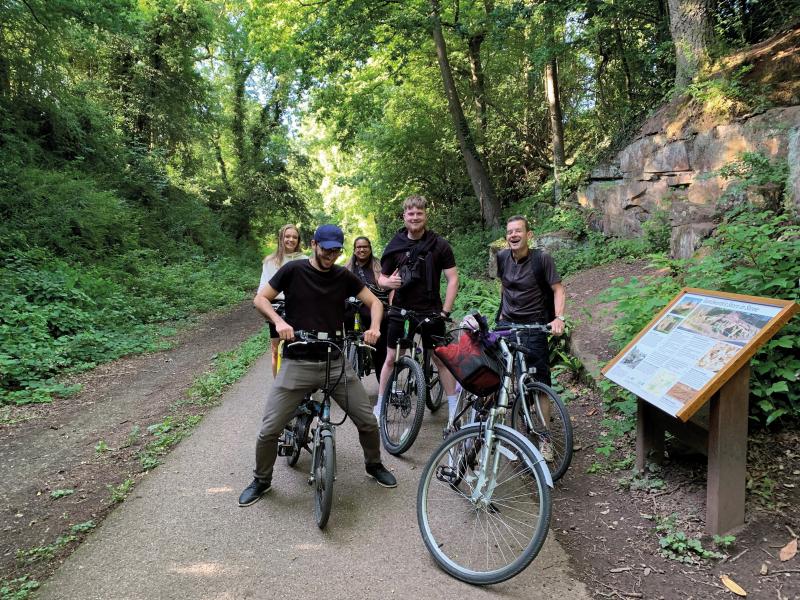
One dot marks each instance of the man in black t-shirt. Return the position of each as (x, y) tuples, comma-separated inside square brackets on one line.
[(412, 264), (531, 291), (315, 292)]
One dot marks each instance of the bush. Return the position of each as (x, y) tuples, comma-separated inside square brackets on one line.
[(753, 252)]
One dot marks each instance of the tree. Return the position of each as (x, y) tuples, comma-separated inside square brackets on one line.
[(692, 34), (490, 207)]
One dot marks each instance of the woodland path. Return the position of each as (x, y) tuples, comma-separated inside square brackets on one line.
[(182, 535)]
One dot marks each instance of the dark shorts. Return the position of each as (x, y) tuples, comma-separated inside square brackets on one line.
[(536, 342), (273, 333), (432, 333)]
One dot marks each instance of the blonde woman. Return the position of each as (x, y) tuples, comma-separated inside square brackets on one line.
[(288, 250)]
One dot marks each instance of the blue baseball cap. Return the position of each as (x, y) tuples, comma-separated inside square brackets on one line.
[(329, 237)]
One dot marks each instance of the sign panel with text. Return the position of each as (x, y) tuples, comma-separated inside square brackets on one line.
[(694, 346)]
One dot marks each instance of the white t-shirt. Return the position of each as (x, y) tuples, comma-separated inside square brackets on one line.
[(269, 268)]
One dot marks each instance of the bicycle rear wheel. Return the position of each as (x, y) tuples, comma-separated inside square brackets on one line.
[(490, 535), (403, 406), (324, 468), (549, 425), (433, 399)]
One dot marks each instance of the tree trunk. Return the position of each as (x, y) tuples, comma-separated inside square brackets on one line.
[(690, 26), (554, 107), (490, 207)]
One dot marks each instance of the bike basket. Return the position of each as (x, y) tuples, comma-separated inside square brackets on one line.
[(475, 367)]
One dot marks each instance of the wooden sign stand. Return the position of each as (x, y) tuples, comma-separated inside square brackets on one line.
[(725, 444), (713, 323)]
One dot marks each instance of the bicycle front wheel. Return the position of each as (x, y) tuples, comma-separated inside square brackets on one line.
[(544, 420), (483, 512), (403, 406), (324, 468)]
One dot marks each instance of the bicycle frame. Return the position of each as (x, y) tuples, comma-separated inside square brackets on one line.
[(489, 459)]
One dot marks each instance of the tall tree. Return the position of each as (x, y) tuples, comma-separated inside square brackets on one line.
[(554, 104), (481, 184), (690, 23)]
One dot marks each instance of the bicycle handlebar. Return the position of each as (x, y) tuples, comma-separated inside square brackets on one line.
[(514, 327)]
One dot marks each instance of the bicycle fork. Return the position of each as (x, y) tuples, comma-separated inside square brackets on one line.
[(488, 464)]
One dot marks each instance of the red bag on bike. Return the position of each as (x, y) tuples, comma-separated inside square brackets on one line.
[(468, 360)]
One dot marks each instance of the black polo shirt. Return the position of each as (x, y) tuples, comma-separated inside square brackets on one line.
[(522, 296)]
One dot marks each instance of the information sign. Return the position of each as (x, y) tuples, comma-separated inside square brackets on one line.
[(694, 345)]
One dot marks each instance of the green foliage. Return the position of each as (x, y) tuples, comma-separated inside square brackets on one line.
[(61, 493), (676, 545), (121, 491), (229, 367), (597, 250), (724, 541), (165, 434), (755, 171), (752, 252), (101, 447), (728, 93), (17, 589), (59, 318), (657, 231), (84, 527)]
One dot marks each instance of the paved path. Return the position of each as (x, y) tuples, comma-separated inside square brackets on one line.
[(182, 535)]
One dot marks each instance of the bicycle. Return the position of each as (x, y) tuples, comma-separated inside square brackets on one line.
[(312, 424), (483, 502), (358, 357), (538, 412), (407, 389)]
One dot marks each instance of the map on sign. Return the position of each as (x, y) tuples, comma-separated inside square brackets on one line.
[(678, 360)]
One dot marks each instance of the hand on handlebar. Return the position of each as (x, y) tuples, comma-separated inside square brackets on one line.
[(556, 326), (285, 331), (371, 336)]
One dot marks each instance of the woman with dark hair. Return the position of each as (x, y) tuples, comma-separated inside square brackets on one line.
[(367, 268), (288, 249)]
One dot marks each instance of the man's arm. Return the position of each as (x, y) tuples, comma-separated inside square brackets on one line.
[(263, 302), (560, 302), (375, 306), (451, 275)]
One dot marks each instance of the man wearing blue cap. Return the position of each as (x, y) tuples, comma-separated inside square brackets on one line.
[(315, 292)]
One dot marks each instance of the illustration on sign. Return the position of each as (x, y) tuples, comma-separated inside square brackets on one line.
[(687, 346)]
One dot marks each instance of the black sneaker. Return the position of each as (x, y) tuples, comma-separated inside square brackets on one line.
[(253, 492), (382, 475)]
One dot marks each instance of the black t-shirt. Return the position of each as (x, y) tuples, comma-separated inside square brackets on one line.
[(522, 296), (315, 299), (415, 296)]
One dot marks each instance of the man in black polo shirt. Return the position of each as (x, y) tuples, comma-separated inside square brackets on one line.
[(315, 292), (426, 256), (531, 292)]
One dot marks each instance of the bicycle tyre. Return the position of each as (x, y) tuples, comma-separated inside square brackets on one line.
[(435, 393), (559, 433), (324, 467), (299, 428), (402, 411), (512, 524)]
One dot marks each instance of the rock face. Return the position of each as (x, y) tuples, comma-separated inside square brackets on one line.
[(672, 163), (675, 171)]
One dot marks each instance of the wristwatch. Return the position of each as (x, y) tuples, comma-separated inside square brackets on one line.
[(561, 318), (446, 314)]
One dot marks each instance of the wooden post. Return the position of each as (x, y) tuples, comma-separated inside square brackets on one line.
[(649, 435), (727, 454)]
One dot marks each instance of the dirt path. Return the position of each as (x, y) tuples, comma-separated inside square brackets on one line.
[(52, 447), (605, 523)]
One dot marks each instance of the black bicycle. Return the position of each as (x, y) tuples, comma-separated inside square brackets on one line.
[(311, 427), (413, 383), (359, 356)]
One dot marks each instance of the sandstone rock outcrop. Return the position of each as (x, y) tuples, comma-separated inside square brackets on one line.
[(672, 163)]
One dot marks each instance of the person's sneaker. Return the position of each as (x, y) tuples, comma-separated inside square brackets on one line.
[(253, 492), (546, 448), (382, 475)]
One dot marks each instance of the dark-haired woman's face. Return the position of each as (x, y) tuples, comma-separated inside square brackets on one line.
[(363, 250)]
